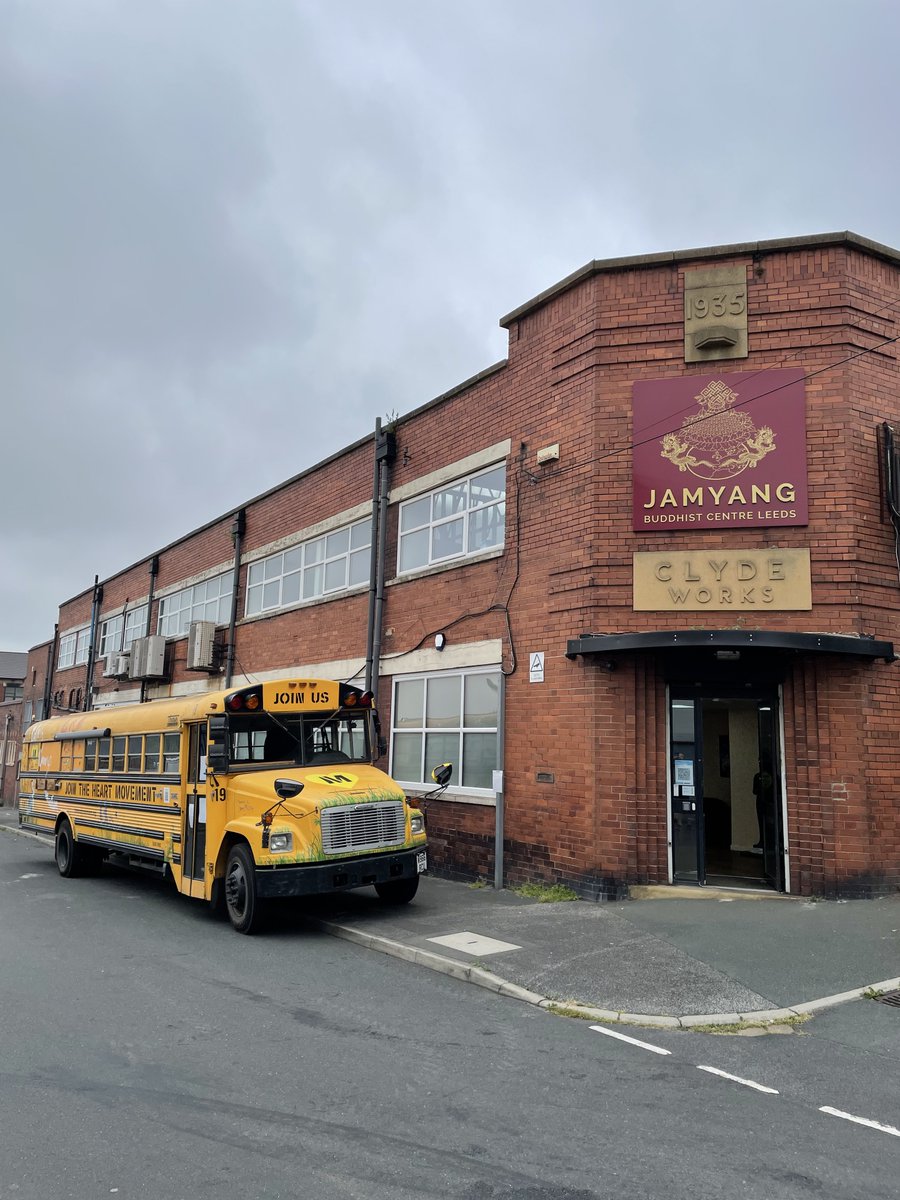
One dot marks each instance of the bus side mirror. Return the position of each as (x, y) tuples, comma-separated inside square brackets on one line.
[(441, 775), (217, 745), (287, 789)]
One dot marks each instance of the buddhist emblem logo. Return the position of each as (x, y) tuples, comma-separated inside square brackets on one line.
[(716, 442)]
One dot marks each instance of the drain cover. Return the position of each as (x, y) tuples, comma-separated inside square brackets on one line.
[(892, 998)]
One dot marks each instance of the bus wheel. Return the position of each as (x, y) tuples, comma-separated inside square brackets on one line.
[(241, 901), (69, 859), (397, 891)]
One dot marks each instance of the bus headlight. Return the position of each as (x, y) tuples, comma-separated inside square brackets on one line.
[(279, 843), (416, 823)]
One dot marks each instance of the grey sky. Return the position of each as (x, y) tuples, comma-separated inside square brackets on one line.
[(224, 217)]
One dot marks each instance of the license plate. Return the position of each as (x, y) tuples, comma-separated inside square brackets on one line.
[(421, 862)]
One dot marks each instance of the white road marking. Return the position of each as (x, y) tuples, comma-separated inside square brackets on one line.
[(625, 1038), (836, 1112), (759, 1087), (474, 943), (30, 875)]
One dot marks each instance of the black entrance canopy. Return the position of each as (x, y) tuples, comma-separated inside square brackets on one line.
[(731, 639)]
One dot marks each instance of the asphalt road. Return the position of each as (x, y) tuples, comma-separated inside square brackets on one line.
[(150, 1051)]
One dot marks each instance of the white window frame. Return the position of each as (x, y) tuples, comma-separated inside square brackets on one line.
[(178, 610), (73, 648), (434, 523), (461, 730), (266, 573)]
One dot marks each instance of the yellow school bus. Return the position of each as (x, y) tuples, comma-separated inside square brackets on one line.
[(242, 795)]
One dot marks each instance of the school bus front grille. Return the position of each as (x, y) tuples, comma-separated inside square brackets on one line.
[(363, 827)]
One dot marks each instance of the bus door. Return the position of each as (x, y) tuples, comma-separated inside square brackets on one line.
[(194, 837)]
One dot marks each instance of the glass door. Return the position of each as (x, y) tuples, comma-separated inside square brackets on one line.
[(767, 792), (686, 791)]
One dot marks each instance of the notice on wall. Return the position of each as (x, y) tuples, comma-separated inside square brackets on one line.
[(722, 579), (684, 772), (536, 667)]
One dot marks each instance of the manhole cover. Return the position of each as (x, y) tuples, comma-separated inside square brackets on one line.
[(892, 998)]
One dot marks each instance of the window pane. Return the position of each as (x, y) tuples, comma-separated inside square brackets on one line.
[(292, 559), (254, 599), (440, 748), (312, 582), (360, 535), (134, 752), (90, 754), (151, 753), (409, 698), (272, 567), (447, 539), (336, 575), (417, 513), (482, 699), (448, 502), (414, 550), (479, 759), (290, 588), (315, 551), (103, 755), (488, 487), (270, 594), (442, 705), (170, 753), (337, 543), (407, 760), (255, 572), (359, 566), (118, 754), (486, 526)]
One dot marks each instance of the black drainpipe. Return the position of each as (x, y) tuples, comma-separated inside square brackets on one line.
[(385, 453), (238, 529), (153, 571), (88, 702), (48, 682)]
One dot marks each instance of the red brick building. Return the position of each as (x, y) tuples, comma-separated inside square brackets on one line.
[(646, 567)]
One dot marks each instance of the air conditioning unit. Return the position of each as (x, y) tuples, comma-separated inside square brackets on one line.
[(148, 658), (110, 664), (202, 647), (122, 664)]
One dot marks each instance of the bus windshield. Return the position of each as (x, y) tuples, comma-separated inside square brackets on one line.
[(258, 739)]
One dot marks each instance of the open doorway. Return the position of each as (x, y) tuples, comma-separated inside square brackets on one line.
[(726, 804)]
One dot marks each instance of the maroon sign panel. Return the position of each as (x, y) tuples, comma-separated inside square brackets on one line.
[(724, 451)]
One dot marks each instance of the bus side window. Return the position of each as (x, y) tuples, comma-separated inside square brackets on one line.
[(90, 754), (134, 752), (118, 754), (153, 743), (171, 753)]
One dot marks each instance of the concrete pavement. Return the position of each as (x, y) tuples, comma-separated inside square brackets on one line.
[(680, 957)]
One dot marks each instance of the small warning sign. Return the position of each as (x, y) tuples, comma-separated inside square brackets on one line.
[(536, 667)]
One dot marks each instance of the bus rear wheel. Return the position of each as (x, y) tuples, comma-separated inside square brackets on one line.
[(243, 905), (70, 861), (397, 891)]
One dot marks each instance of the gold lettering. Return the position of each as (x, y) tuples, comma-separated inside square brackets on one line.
[(652, 502), (737, 496), (716, 494), (760, 495), (689, 497), (668, 497), (785, 493)]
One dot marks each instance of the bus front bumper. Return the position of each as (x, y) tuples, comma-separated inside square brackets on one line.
[(314, 879)]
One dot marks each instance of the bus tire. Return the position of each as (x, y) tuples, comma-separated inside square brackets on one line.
[(242, 903), (69, 859), (397, 891)]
